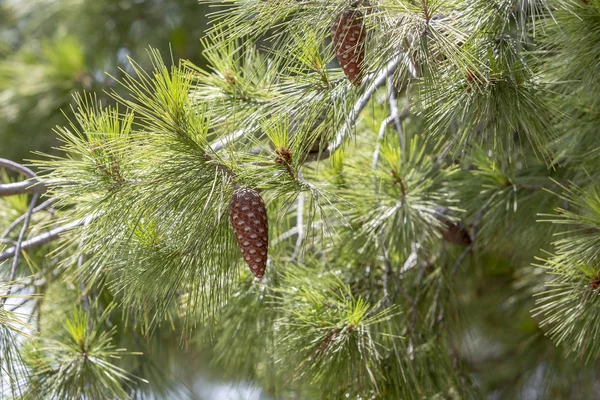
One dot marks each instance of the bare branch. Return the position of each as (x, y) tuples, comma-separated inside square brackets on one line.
[(412, 259), (221, 143), (394, 114), (25, 187), (299, 225), (13, 271), (17, 221), (384, 125), (378, 81), (475, 227), (41, 239), (286, 235), (85, 299), (30, 186), (16, 167)]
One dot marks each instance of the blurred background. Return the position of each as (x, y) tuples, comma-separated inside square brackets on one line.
[(50, 49)]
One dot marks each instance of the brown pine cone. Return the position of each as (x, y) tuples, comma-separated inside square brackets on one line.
[(348, 36), (456, 234), (248, 217)]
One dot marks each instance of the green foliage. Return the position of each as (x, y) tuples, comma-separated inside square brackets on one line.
[(402, 219), (81, 364), (570, 304), (326, 336)]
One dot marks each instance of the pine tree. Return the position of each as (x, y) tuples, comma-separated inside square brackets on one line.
[(433, 218)]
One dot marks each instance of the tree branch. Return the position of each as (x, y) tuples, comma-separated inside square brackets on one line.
[(17, 221), (221, 143), (394, 114), (17, 251), (41, 239), (30, 186), (16, 167), (475, 226), (25, 187), (299, 225), (378, 81)]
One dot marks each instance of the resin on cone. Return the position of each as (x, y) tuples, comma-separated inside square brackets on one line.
[(248, 217), (348, 36)]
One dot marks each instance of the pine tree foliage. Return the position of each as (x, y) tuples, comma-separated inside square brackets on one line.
[(406, 213), (78, 365), (12, 330)]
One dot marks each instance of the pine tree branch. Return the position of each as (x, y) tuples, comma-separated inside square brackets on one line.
[(299, 225), (286, 235), (16, 167), (30, 186), (41, 239), (380, 137), (17, 251), (221, 143), (84, 295), (411, 260), (80, 261), (362, 102), (17, 221), (25, 187), (394, 113)]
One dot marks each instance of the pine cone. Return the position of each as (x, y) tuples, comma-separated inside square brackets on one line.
[(452, 232), (348, 36), (456, 234), (248, 217)]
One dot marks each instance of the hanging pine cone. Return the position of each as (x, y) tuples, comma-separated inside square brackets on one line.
[(248, 217), (452, 232), (456, 233), (348, 36)]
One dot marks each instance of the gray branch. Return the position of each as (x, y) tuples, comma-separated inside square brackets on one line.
[(41, 239), (30, 186), (299, 225), (221, 143), (362, 102), (17, 221), (17, 251), (394, 114)]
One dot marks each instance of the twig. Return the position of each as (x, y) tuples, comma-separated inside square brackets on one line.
[(462, 257), (80, 260), (41, 239), (412, 70), (411, 260), (84, 296), (415, 310), (384, 124), (394, 113), (286, 235), (221, 143), (299, 225), (25, 187), (388, 274), (378, 81), (17, 248), (21, 304), (30, 186), (16, 167), (17, 221)]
